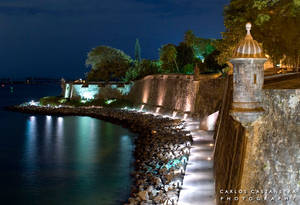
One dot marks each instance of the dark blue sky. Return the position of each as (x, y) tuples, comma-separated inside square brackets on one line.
[(50, 38)]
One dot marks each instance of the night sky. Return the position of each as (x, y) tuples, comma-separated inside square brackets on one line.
[(51, 38)]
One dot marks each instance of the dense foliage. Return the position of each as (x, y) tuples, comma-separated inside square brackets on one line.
[(112, 64), (107, 64), (185, 57), (201, 47), (168, 55), (211, 64), (140, 70), (275, 25)]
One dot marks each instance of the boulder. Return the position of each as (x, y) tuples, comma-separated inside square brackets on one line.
[(143, 195)]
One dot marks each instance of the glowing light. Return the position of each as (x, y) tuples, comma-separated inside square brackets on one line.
[(83, 101), (59, 129), (211, 120), (67, 91), (188, 104), (87, 95), (142, 107), (146, 91), (200, 57), (30, 152), (126, 89), (185, 116), (157, 110), (110, 101), (113, 86), (33, 103), (161, 91), (211, 145), (197, 182), (48, 132)]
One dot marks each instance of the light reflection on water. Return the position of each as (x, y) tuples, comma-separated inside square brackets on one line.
[(75, 160), (30, 147)]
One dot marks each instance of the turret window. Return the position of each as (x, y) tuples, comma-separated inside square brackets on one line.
[(254, 79)]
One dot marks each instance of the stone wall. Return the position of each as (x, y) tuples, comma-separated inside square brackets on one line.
[(229, 149), (180, 93), (170, 93), (96, 90), (209, 96), (273, 161), (262, 157)]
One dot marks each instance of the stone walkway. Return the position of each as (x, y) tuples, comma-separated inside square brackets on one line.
[(198, 183)]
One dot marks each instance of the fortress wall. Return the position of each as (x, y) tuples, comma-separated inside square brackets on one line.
[(274, 147), (229, 149), (95, 91), (179, 93), (169, 93), (265, 156)]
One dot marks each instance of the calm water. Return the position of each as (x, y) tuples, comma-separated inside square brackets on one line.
[(61, 160)]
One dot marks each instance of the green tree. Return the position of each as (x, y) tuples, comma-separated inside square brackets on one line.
[(275, 25), (201, 47), (107, 64), (189, 38), (137, 51), (184, 56), (168, 56), (211, 62), (146, 67)]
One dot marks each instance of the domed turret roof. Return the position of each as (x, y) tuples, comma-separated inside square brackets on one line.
[(248, 47)]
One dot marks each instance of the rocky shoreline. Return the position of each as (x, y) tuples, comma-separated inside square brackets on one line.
[(161, 149)]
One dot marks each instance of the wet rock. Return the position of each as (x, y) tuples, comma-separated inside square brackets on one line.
[(143, 195)]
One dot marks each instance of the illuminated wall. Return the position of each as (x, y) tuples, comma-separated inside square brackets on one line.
[(179, 93), (88, 93), (67, 91), (96, 90), (172, 92)]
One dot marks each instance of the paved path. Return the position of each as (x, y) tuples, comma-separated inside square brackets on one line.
[(198, 183)]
